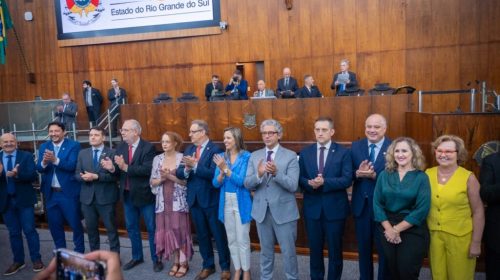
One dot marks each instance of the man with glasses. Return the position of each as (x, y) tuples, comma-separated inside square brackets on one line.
[(198, 169), (133, 161), (273, 173)]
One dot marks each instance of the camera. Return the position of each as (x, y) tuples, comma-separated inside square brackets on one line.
[(235, 79), (72, 265)]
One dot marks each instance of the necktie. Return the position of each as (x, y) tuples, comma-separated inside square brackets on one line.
[(198, 152), (96, 159), (11, 187), (56, 150), (261, 93), (130, 155), (269, 158), (321, 165), (372, 153), (286, 83)]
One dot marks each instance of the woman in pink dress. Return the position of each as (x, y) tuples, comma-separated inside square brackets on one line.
[(173, 228)]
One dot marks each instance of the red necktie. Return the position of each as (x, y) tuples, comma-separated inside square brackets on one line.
[(198, 151), (130, 151)]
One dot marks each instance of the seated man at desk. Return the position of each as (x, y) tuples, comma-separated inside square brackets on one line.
[(287, 86), (262, 91), (237, 86), (215, 86), (309, 90), (344, 79)]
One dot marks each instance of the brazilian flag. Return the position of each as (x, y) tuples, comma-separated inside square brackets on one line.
[(5, 23)]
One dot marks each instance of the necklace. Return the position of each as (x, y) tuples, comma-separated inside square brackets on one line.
[(445, 176)]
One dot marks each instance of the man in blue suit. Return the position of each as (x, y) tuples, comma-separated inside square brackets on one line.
[(325, 174), (57, 161), (198, 169), (368, 160), (17, 197)]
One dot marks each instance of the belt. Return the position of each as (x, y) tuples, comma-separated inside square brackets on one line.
[(56, 189)]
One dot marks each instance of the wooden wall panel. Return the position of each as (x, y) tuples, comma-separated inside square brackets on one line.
[(429, 44)]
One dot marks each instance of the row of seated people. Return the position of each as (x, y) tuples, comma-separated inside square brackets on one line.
[(405, 210), (287, 87)]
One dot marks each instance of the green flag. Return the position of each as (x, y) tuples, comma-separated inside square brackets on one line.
[(5, 23)]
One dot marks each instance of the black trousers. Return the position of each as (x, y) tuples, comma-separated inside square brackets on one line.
[(404, 260), (107, 212)]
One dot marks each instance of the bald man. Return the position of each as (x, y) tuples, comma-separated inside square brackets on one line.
[(262, 91), (287, 86), (368, 159), (17, 197)]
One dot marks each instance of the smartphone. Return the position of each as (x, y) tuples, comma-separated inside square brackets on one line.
[(73, 266)]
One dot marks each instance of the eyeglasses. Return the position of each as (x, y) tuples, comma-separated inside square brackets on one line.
[(195, 131), (122, 130), (268, 133), (446, 152)]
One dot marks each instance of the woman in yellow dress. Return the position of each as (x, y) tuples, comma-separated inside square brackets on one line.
[(456, 217)]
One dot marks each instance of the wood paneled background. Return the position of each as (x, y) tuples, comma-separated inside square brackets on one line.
[(429, 44)]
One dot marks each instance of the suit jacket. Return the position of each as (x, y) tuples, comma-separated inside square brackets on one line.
[(25, 193), (363, 187), (199, 183), (331, 198), (105, 189), (304, 92), (267, 93), (352, 81), (276, 193), (122, 99), (138, 173), (242, 90), (281, 89), (67, 117), (490, 193), (65, 171), (96, 97), (210, 87)]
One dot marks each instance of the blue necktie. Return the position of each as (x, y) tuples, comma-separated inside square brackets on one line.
[(11, 186), (96, 159), (372, 153)]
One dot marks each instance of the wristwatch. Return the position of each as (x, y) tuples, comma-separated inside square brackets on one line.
[(225, 171)]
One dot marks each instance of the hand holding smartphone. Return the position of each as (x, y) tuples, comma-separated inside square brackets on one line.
[(72, 265)]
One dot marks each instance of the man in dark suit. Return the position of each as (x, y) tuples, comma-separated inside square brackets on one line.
[(309, 90), (198, 169), (93, 101), (368, 160), (17, 197), (133, 161), (99, 190), (57, 163), (344, 79), (66, 112), (287, 86), (117, 96), (325, 174), (214, 85), (490, 193)]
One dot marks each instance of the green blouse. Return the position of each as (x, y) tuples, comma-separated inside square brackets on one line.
[(411, 196)]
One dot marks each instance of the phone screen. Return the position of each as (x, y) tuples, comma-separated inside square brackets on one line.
[(73, 266)]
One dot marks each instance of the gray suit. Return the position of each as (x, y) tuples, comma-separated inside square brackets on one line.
[(98, 198), (267, 93), (275, 209), (68, 115)]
